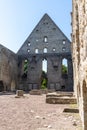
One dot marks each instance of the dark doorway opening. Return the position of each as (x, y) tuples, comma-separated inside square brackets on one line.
[(1, 86)]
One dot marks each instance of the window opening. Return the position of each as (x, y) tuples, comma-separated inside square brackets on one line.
[(28, 50), (37, 30), (64, 68), (44, 74), (25, 68), (36, 51), (44, 65), (45, 50), (54, 49), (29, 44), (63, 49), (64, 42), (54, 28), (45, 39)]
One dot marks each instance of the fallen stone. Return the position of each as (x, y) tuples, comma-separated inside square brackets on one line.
[(71, 110), (19, 93)]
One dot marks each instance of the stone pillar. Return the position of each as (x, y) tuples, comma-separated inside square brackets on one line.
[(34, 72), (54, 73), (70, 74)]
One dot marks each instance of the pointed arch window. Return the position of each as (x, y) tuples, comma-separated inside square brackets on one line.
[(64, 42), (36, 51), (29, 44), (45, 39), (54, 49), (45, 50), (64, 67), (44, 65)]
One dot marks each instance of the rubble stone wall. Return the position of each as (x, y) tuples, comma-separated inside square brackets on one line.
[(8, 68), (79, 49)]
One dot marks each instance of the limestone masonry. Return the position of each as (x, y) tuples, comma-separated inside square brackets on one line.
[(79, 50)]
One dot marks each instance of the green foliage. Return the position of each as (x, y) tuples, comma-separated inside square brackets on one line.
[(64, 69), (25, 66), (44, 83), (43, 80)]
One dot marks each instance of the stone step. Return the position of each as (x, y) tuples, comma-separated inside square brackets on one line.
[(60, 94), (58, 100), (61, 98)]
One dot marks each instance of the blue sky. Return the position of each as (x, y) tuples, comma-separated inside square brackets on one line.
[(19, 17)]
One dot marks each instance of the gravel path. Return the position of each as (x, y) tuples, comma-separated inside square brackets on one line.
[(31, 113)]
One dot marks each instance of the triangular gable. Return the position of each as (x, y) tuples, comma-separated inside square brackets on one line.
[(55, 37)]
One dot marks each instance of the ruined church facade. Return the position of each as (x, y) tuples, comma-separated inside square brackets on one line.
[(45, 43)]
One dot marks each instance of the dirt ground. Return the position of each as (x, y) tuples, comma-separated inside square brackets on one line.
[(32, 113)]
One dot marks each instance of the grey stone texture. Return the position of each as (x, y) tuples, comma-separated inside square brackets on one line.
[(8, 69), (48, 42)]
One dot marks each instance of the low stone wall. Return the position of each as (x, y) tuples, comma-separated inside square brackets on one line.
[(35, 92), (46, 91), (41, 91), (60, 98), (60, 94)]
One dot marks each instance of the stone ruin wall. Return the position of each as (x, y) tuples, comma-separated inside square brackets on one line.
[(79, 50), (8, 69)]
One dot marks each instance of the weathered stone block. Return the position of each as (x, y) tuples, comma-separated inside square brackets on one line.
[(46, 91), (61, 100), (20, 93), (35, 92), (60, 94), (71, 110)]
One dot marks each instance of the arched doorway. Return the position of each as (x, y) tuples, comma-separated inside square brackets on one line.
[(44, 74)]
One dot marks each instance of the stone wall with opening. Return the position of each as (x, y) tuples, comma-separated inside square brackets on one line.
[(46, 42)]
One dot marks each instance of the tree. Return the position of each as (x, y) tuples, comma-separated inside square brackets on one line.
[(44, 80), (64, 69)]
